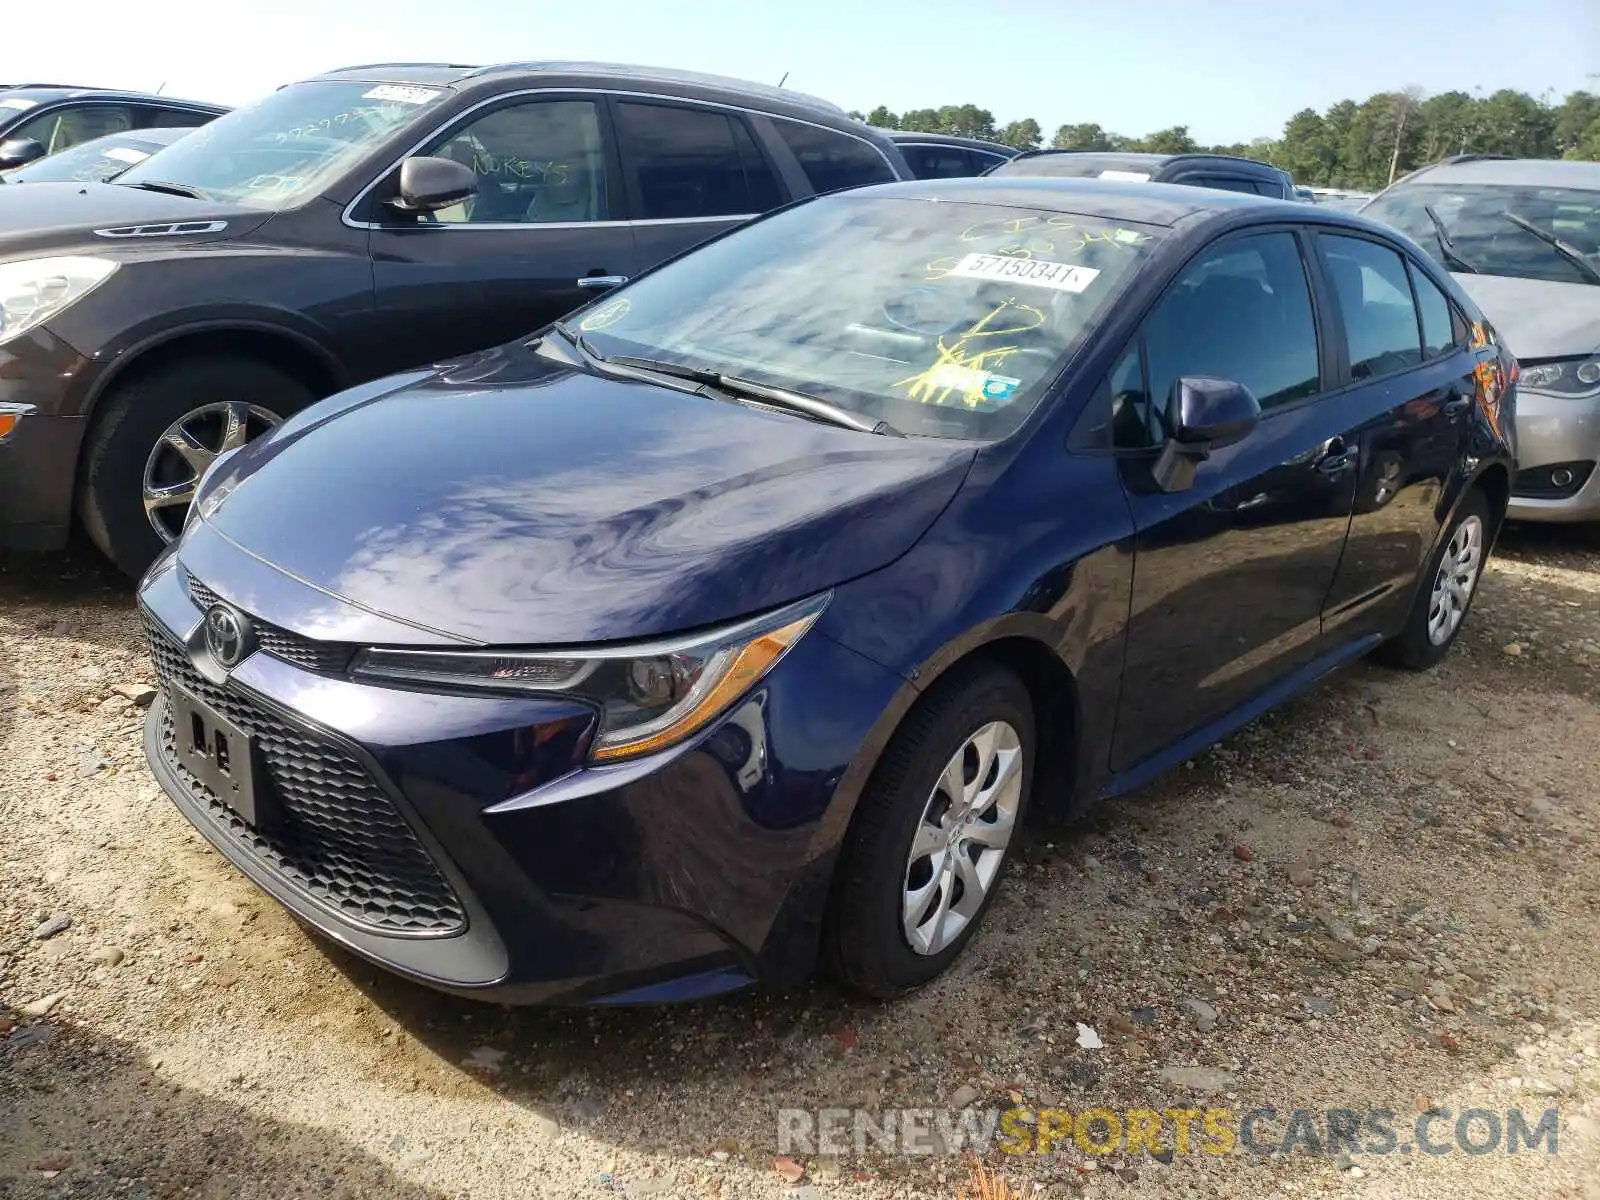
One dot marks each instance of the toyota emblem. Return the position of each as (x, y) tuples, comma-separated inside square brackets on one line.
[(227, 635)]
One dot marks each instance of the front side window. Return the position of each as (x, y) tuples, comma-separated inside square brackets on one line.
[(1380, 321), (63, 127), (284, 149), (1522, 231), (536, 163), (1240, 311), (833, 160), (691, 162), (1438, 318), (944, 319)]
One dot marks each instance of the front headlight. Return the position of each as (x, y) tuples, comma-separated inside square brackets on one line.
[(36, 289), (650, 695), (1572, 377)]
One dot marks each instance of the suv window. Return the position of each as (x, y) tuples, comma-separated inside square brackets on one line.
[(536, 163), (1240, 311), (937, 162), (172, 118), (691, 162), (833, 160), (63, 127), (1438, 324), (1222, 183), (1380, 321)]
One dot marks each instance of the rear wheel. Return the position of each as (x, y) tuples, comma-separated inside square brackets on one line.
[(929, 848), (155, 436), (1448, 588)]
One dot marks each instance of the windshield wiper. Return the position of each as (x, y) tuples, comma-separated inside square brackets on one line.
[(798, 402), (171, 188), (1557, 243), (1446, 245)]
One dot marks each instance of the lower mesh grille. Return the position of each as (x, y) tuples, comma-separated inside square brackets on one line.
[(341, 840), (327, 658)]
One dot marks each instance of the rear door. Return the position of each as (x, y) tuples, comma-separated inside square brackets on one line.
[(1231, 573), (691, 172), (545, 233), (1407, 381)]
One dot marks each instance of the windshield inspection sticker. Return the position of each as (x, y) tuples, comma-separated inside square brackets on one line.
[(971, 382), (400, 94), (1037, 272), (17, 102), (1127, 176), (126, 154)]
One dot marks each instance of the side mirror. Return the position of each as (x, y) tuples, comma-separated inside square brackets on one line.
[(428, 184), (19, 152), (1203, 415)]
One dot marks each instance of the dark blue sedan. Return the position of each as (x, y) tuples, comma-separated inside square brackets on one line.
[(734, 624)]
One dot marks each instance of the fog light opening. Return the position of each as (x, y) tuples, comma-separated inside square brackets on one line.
[(1561, 477)]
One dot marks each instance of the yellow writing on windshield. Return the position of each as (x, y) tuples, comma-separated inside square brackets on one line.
[(960, 370)]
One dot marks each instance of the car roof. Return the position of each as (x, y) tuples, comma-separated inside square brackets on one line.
[(1166, 204), (917, 137), (461, 75), (43, 93), (1528, 172), (1115, 159)]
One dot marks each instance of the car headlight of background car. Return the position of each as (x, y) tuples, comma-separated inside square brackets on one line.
[(1574, 377), (650, 695), (36, 289)]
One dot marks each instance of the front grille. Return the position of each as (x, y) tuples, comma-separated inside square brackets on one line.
[(326, 658), (340, 839)]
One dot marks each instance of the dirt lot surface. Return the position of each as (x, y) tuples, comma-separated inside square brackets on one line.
[(1384, 896)]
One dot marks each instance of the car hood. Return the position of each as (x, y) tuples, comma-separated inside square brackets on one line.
[(509, 500), (54, 216), (1536, 317)]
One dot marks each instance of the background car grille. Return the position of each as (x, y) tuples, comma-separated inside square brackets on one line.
[(340, 839), (327, 658)]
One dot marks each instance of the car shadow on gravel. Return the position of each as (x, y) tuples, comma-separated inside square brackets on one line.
[(83, 1114)]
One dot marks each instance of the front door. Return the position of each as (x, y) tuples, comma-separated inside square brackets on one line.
[(1230, 573), (543, 235)]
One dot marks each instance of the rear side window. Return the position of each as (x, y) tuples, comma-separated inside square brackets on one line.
[(937, 162), (983, 161), (1380, 321), (1221, 183), (1438, 324), (691, 162), (833, 160), (171, 118)]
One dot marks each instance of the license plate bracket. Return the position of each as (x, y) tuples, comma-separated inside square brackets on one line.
[(223, 757)]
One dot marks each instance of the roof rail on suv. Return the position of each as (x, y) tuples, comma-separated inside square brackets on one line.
[(667, 73), (371, 66)]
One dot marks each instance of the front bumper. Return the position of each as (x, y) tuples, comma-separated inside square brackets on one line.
[(38, 462), (1559, 433), (461, 841)]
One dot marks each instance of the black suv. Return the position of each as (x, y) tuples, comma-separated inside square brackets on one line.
[(945, 156), (346, 227), (1222, 171), (37, 119)]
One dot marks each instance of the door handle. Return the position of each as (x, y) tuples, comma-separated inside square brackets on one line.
[(1336, 457), (602, 281), (1457, 403)]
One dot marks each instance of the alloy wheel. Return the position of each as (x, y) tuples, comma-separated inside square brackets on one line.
[(191, 444), (962, 837), (1455, 579)]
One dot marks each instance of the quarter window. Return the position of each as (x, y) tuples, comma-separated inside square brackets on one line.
[(937, 162), (536, 163), (833, 160), (692, 163), (1241, 311), (1438, 328), (1380, 321)]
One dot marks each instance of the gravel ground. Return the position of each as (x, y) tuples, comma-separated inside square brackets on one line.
[(1386, 895)]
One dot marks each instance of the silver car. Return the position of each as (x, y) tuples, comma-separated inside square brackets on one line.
[(1523, 238)]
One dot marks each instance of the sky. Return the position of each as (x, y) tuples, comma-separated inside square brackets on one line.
[(1231, 70)]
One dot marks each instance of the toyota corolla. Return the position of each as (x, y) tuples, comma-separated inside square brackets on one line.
[(732, 625)]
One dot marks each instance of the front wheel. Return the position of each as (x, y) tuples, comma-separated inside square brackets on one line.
[(155, 436), (1447, 590), (929, 848)]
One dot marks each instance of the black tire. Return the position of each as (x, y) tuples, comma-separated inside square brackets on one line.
[(865, 944), (134, 416), (1412, 649)]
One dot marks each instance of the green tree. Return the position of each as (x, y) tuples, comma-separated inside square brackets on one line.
[(966, 120), (1023, 135), (1084, 137), (1515, 123), (922, 120), (883, 118), (1306, 150), (1175, 140), (1448, 125), (1574, 120)]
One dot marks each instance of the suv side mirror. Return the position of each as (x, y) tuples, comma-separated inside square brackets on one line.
[(18, 152), (428, 184), (1203, 415)]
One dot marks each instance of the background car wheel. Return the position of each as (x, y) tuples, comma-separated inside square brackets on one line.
[(1447, 589), (155, 435), (929, 846)]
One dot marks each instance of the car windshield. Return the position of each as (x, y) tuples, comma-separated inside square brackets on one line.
[(282, 150), (1487, 227), (942, 319), (93, 161)]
